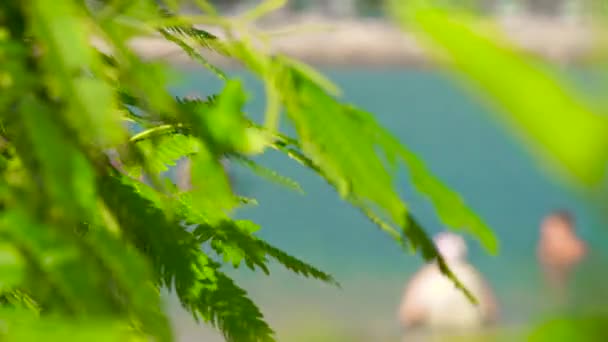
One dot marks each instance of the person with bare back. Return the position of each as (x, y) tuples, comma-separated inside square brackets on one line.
[(559, 250)]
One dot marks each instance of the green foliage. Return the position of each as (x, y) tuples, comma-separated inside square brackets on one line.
[(181, 265), (86, 244)]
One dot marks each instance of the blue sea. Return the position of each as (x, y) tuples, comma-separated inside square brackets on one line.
[(456, 134)]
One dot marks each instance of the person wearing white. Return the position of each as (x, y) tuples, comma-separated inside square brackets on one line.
[(433, 303)]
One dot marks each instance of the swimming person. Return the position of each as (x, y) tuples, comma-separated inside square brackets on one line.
[(559, 250), (432, 302)]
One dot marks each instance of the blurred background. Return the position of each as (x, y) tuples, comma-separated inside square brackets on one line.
[(372, 8), (379, 70)]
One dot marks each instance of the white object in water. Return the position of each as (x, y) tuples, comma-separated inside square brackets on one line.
[(432, 301)]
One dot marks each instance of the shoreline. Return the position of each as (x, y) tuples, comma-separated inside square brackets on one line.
[(378, 43)]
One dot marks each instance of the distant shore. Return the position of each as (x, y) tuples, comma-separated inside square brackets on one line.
[(374, 42)]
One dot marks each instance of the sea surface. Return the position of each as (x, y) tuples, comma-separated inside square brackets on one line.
[(456, 134)]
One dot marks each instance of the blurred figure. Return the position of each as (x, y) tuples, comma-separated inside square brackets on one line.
[(183, 177), (433, 303), (559, 249), (184, 173)]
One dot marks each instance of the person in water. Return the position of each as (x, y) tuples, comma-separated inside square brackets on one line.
[(432, 302), (559, 249)]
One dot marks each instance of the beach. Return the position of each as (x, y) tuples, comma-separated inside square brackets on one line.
[(331, 42)]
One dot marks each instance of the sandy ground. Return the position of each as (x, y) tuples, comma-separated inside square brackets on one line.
[(373, 42)]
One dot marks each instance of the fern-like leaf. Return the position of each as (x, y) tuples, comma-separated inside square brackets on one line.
[(411, 231), (164, 151), (234, 240), (202, 37), (268, 173), (192, 52), (325, 131), (368, 172), (181, 265)]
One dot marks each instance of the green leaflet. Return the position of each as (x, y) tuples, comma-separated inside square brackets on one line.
[(449, 205), (211, 190), (325, 131), (220, 121), (235, 240), (269, 174), (166, 150), (192, 52), (201, 37), (225, 123), (410, 232), (541, 109), (345, 162)]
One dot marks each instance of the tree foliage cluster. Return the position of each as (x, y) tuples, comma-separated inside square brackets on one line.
[(90, 231)]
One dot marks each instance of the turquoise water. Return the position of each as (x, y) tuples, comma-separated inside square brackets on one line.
[(460, 142)]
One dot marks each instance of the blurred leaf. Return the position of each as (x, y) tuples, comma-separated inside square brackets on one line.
[(310, 73), (371, 168), (571, 329), (545, 111), (449, 205), (325, 131), (192, 52), (269, 174), (166, 150), (99, 104), (17, 325), (211, 190), (67, 176), (63, 27), (20, 300), (134, 281), (78, 284), (12, 267), (220, 123)]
